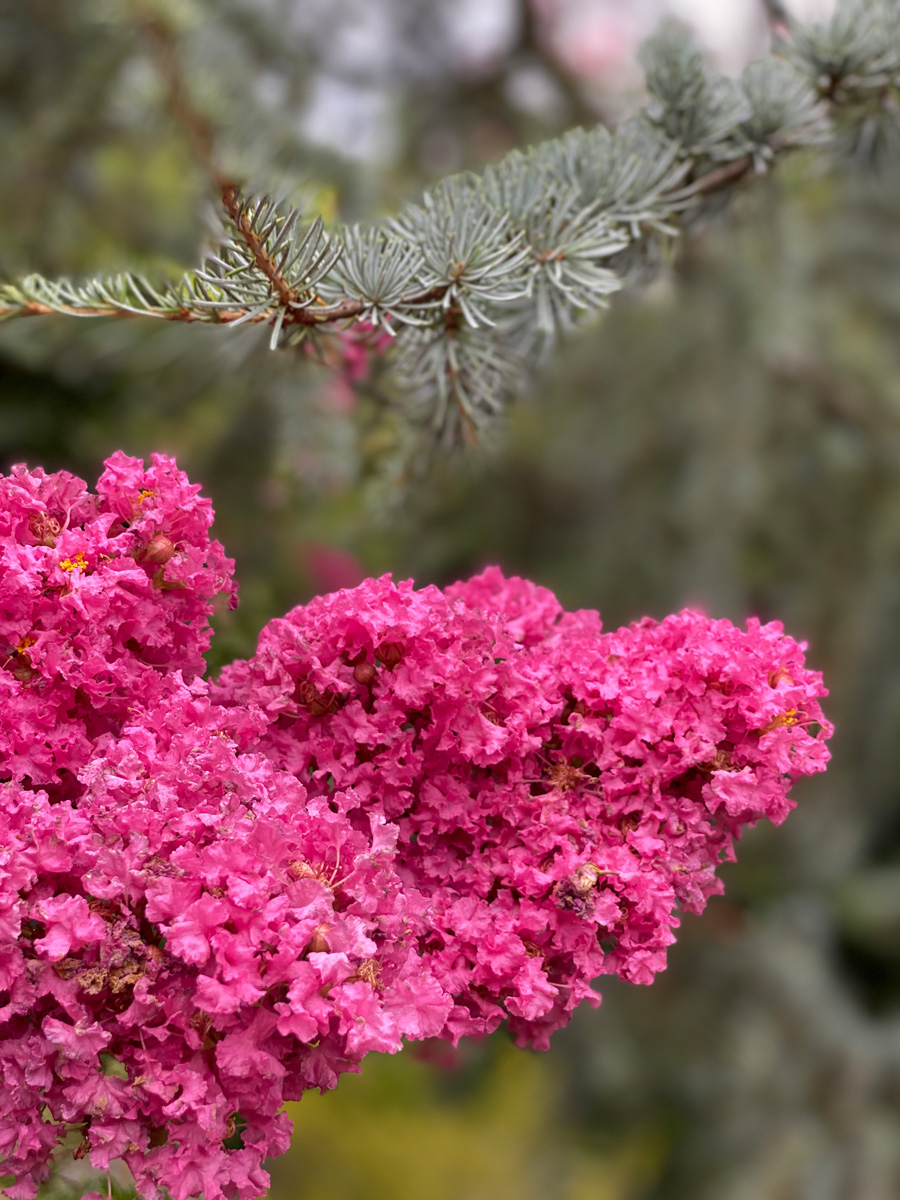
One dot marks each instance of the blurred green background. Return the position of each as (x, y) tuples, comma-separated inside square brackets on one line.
[(728, 437)]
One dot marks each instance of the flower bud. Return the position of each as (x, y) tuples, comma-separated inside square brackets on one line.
[(364, 673), (318, 943), (159, 550), (391, 654)]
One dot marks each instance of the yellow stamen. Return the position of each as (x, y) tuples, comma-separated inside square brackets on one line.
[(78, 563), (789, 718)]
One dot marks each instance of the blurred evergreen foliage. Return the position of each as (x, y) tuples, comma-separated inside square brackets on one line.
[(478, 284), (730, 437)]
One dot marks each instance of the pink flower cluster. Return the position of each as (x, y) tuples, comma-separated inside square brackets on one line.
[(102, 596), (558, 792), (413, 814)]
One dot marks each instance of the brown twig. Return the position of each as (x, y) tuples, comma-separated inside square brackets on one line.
[(287, 296), (730, 173), (348, 310), (200, 136), (189, 316), (196, 126), (717, 180)]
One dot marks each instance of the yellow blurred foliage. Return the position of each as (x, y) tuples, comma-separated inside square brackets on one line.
[(403, 1130)]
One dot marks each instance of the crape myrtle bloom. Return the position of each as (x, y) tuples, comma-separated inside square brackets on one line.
[(412, 814), (100, 596), (560, 792), (191, 945)]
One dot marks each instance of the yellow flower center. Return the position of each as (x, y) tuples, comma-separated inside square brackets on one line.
[(791, 717), (78, 563)]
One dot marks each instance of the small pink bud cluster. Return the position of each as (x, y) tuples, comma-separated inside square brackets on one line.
[(351, 354), (412, 814)]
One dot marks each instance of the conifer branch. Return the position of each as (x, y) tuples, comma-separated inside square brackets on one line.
[(484, 276), (264, 262)]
